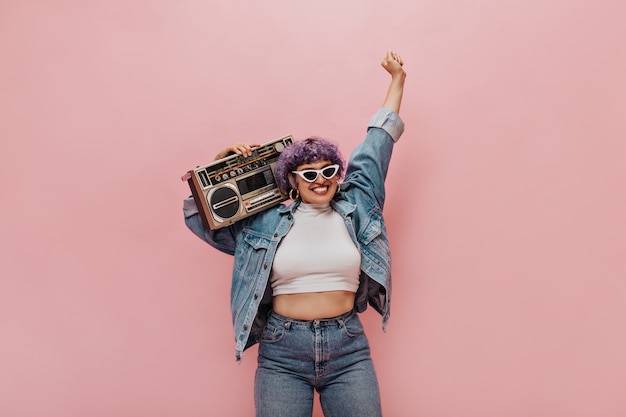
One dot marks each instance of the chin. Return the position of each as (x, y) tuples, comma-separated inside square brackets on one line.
[(317, 198)]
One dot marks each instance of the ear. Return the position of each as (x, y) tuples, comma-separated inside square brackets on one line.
[(293, 181)]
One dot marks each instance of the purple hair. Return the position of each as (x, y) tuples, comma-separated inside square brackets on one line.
[(306, 151)]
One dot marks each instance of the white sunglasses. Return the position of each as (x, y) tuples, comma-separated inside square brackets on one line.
[(310, 175)]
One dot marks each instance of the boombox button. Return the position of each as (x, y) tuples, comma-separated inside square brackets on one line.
[(233, 173), (225, 176)]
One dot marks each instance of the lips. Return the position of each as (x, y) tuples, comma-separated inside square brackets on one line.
[(320, 190)]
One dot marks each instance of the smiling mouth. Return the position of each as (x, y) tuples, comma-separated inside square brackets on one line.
[(320, 190)]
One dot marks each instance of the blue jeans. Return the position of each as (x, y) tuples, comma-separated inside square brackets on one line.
[(331, 356)]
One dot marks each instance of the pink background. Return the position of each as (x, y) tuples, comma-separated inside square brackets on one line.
[(505, 206)]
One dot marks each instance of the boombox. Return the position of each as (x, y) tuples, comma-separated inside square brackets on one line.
[(235, 187)]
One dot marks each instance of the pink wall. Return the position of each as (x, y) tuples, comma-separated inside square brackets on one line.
[(506, 197)]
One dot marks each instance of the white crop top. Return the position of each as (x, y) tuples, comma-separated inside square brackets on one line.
[(316, 255)]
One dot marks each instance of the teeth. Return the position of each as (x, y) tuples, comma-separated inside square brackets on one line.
[(320, 189)]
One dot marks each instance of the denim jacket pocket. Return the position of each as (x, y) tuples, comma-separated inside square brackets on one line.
[(256, 240), (250, 254), (372, 228), (376, 253)]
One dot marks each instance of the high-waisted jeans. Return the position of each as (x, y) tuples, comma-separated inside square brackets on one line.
[(331, 356)]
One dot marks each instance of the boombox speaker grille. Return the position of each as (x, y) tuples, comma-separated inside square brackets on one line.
[(224, 202)]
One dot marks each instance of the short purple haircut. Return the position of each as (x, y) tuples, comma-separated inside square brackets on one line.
[(306, 151)]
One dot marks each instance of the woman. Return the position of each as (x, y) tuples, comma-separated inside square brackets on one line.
[(302, 272)]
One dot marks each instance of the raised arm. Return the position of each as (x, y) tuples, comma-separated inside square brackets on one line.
[(392, 63), (369, 161)]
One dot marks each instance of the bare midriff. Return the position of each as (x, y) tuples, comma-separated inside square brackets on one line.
[(314, 305)]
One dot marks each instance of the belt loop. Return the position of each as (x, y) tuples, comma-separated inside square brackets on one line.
[(288, 325), (340, 323)]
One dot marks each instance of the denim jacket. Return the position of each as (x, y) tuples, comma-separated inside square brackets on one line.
[(253, 241)]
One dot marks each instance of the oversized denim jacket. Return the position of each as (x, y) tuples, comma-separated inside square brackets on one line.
[(253, 241)]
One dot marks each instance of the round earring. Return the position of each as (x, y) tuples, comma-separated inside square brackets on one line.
[(338, 189), (291, 196)]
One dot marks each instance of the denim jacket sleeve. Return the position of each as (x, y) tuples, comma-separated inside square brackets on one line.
[(223, 239), (369, 162)]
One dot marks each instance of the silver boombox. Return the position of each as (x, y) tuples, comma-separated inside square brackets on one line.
[(235, 187)]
